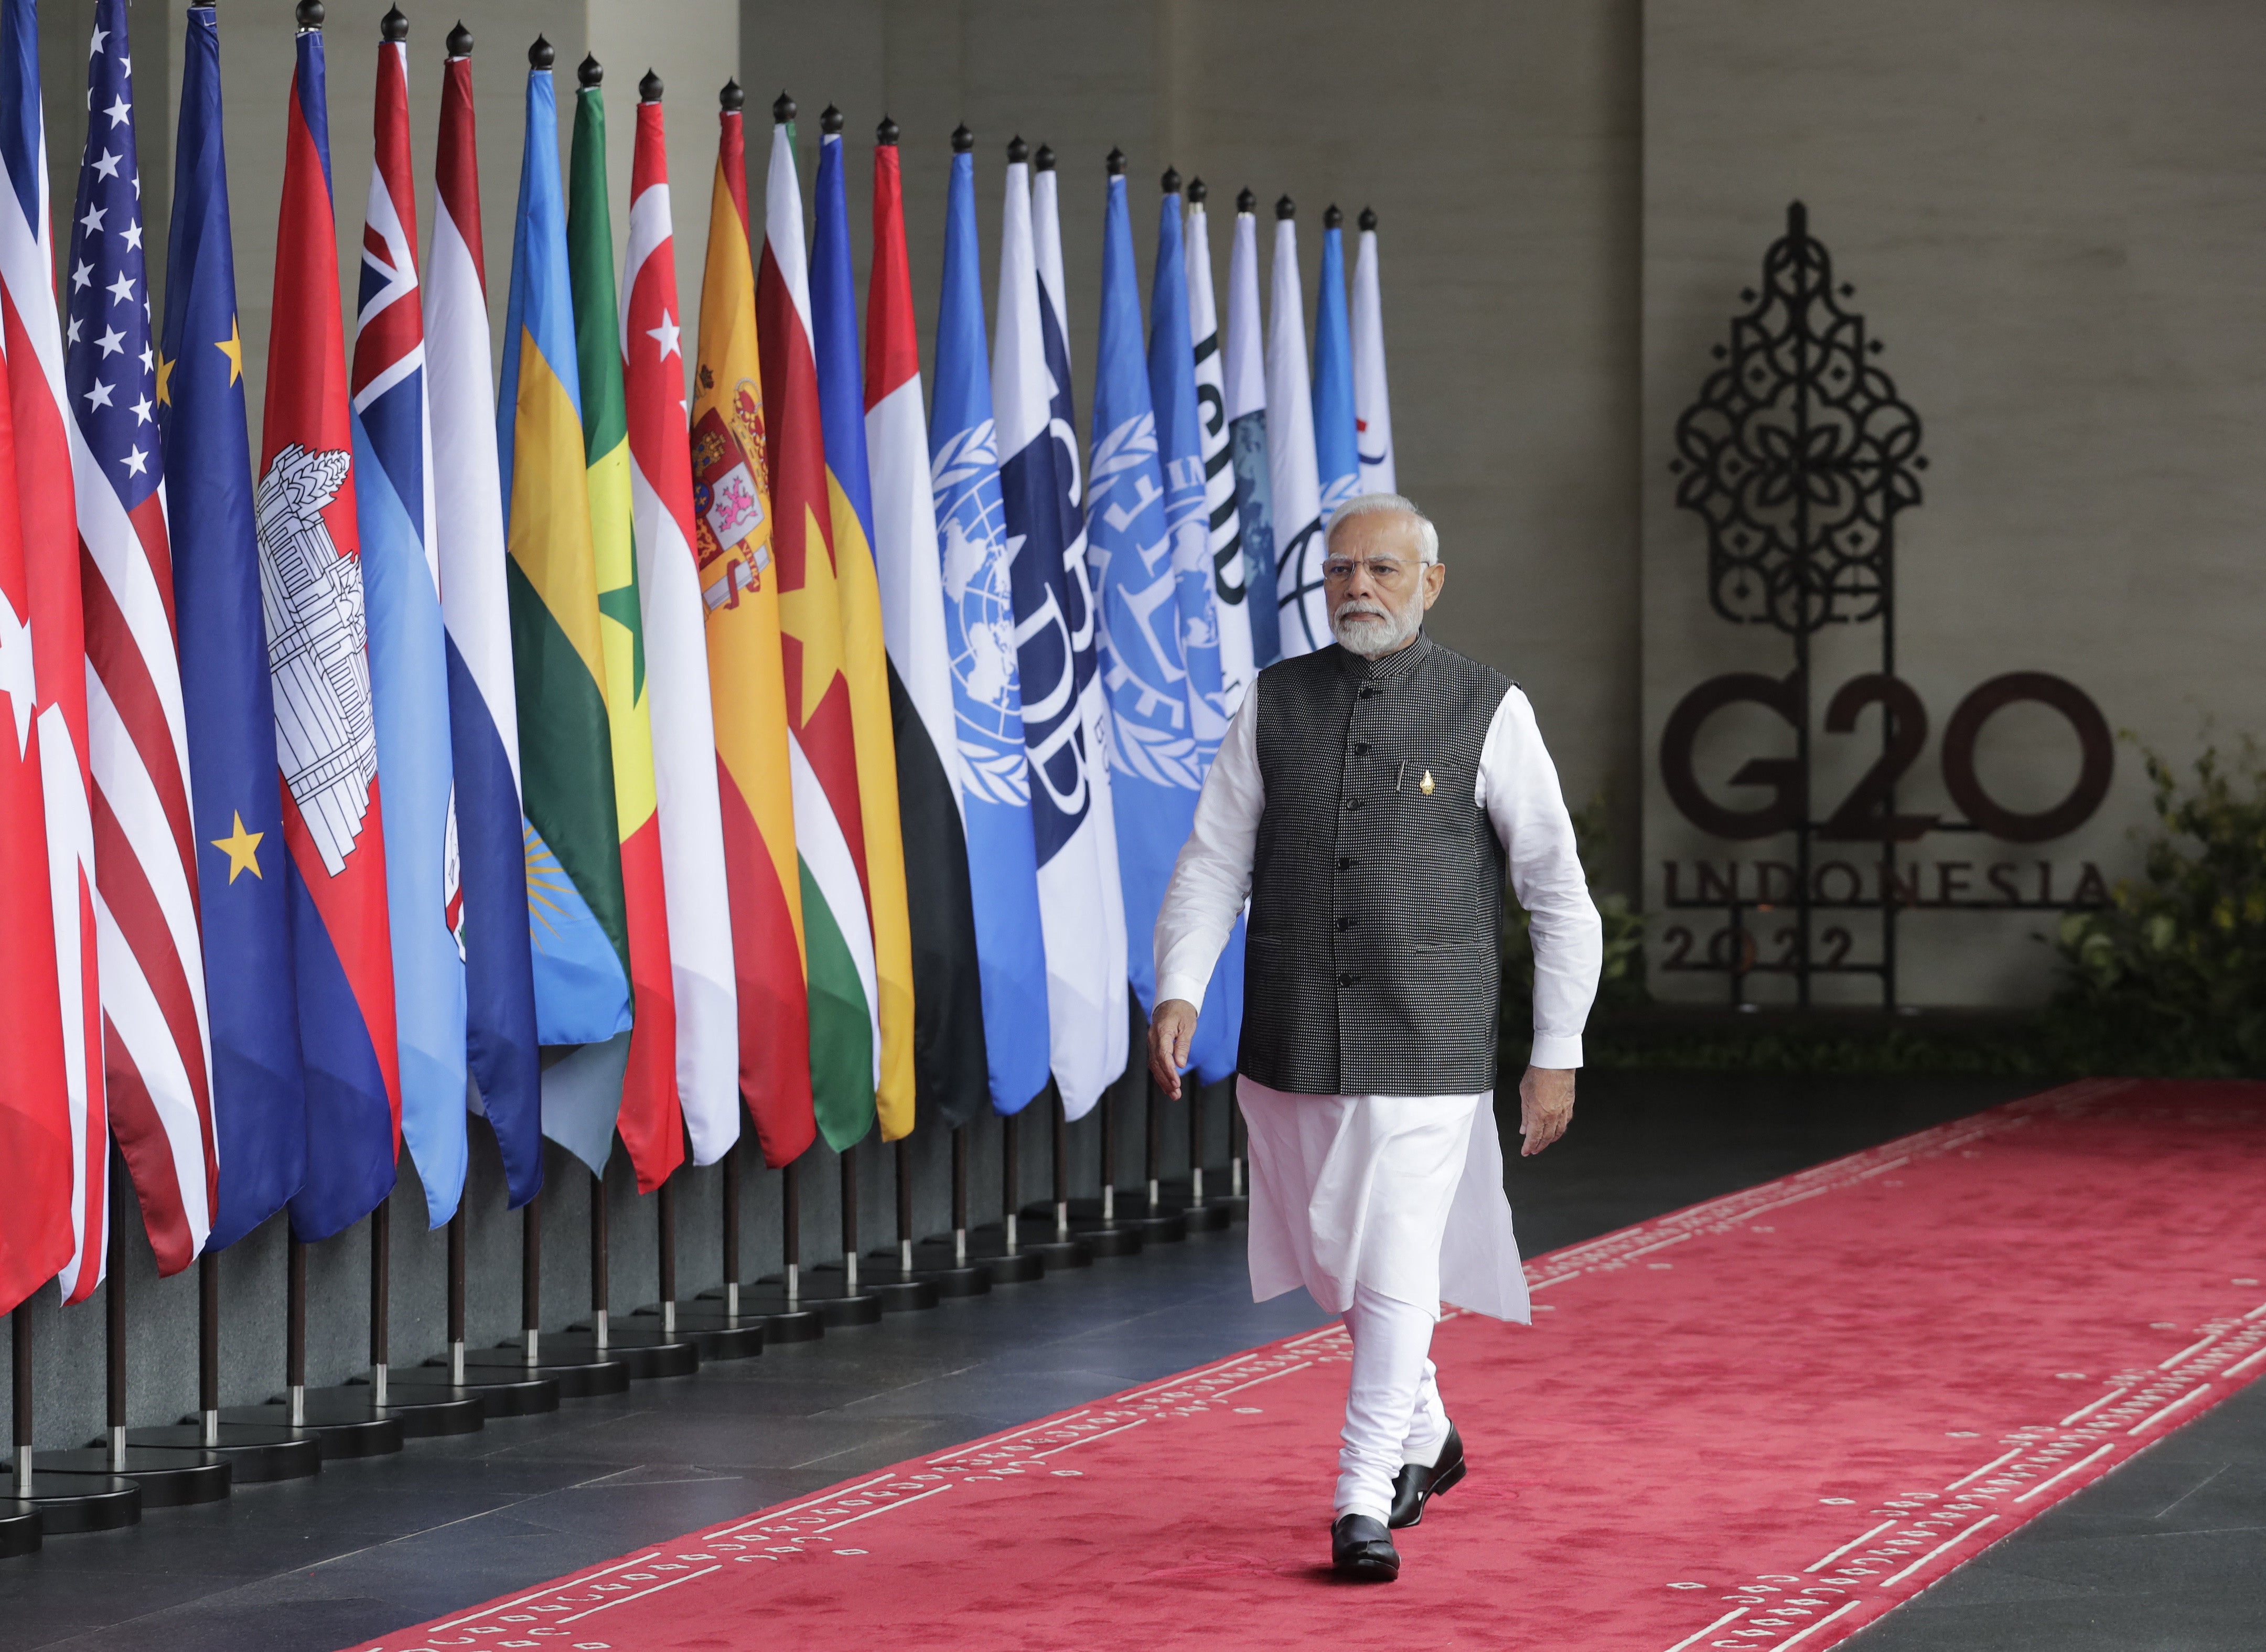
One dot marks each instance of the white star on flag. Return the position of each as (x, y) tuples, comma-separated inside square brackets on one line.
[(93, 219), (141, 411), (98, 397), (122, 290), (108, 164), (120, 111), (665, 335), (112, 342), (135, 460), (94, 48), (81, 275)]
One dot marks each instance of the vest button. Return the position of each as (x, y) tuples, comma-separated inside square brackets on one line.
[(1367, 692), (1352, 803), (1361, 749), (1345, 862), (1344, 923), (1348, 980)]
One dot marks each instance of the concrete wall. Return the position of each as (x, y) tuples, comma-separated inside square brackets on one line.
[(2052, 215)]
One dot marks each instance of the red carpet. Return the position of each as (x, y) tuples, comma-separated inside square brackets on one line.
[(1758, 1423)]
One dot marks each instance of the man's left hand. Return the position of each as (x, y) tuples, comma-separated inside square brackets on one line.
[(1546, 1107)]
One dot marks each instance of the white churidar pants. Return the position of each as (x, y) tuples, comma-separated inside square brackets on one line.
[(1382, 1206)]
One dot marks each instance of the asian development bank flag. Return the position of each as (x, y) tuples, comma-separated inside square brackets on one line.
[(1081, 901), (1211, 698), (1230, 587), (408, 652), (1153, 752), (1294, 485)]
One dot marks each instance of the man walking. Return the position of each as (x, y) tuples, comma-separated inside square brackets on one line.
[(1367, 800)]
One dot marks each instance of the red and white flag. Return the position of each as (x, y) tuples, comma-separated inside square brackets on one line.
[(156, 1056), (676, 656), (42, 468), (35, 1134)]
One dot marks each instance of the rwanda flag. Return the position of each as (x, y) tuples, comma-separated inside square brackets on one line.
[(567, 768)]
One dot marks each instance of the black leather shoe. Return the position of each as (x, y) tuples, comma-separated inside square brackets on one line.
[(1362, 1550), (1417, 1485)]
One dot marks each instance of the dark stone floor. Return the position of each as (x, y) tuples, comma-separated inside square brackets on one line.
[(2163, 1555)]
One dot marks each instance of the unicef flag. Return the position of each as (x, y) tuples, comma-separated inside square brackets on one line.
[(1155, 762), (1187, 521), (979, 628)]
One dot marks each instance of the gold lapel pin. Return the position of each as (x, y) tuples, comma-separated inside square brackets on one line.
[(1425, 784)]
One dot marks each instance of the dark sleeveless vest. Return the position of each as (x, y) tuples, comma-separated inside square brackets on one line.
[(1376, 886)]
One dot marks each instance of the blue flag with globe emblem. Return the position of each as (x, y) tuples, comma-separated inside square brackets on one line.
[(1154, 761), (979, 629), (1187, 523)]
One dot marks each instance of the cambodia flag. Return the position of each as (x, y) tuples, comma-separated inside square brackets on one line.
[(325, 732)]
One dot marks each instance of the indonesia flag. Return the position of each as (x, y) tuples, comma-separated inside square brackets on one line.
[(676, 656), (42, 462), (467, 533), (326, 737), (408, 650), (156, 1057)]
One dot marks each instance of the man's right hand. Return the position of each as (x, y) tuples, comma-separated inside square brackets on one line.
[(1171, 1031)]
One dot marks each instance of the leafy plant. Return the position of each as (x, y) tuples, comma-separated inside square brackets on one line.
[(2172, 976), (1621, 981)]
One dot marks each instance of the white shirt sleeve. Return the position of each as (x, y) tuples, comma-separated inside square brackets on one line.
[(1211, 880), (1518, 789)]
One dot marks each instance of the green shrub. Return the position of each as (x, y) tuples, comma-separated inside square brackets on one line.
[(2172, 978)]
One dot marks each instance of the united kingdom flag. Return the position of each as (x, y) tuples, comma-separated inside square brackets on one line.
[(155, 1045)]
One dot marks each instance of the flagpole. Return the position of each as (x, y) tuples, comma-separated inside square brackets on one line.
[(88, 1499), (665, 1215), (381, 1244), (732, 1230), (21, 1524), (457, 1291), (1064, 1249), (601, 1261)]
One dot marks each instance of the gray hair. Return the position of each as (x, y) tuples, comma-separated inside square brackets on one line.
[(1428, 536)]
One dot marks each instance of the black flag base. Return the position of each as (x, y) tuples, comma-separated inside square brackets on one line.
[(501, 1393), (1217, 1211), (1129, 1213), (428, 1415), (801, 1323), (718, 1335), (19, 1529), (169, 1479), (255, 1453), (987, 1249), (886, 1267), (340, 1432), (821, 1292), (895, 1296), (577, 1376), (646, 1351), (76, 1503)]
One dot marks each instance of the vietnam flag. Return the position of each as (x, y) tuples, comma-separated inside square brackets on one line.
[(845, 1032), (739, 594), (652, 1121)]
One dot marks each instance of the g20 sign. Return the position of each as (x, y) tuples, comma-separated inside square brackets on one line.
[(1865, 814)]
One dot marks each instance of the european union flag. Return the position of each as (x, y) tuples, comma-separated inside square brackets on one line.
[(259, 1106)]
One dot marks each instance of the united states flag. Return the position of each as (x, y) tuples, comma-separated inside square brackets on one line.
[(155, 1047)]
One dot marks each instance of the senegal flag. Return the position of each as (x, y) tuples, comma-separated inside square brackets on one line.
[(575, 907), (652, 1123), (845, 1034), (740, 591)]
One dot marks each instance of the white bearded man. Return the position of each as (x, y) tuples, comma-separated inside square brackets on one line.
[(1369, 800)]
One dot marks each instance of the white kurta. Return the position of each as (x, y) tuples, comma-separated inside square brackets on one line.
[(1402, 1193)]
